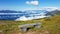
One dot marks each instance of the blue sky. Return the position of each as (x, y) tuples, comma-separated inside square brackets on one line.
[(21, 4)]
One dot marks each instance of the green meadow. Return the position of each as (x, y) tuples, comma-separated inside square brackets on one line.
[(50, 25)]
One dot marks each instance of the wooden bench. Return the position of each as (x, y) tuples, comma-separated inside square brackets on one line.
[(24, 27)]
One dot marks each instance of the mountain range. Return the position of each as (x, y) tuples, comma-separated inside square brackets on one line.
[(28, 14)]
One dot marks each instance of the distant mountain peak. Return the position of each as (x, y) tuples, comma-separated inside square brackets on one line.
[(50, 8)]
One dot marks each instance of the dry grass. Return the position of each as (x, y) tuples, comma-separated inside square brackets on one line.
[(49, 26)]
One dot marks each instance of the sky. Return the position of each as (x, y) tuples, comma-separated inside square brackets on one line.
[(27, 4)]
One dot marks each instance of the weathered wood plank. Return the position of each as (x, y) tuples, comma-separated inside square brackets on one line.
[(25, 26)]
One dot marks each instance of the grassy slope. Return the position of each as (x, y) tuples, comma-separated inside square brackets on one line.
[(52, 25)]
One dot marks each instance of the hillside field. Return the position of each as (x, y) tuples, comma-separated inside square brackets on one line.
[(49, 25)]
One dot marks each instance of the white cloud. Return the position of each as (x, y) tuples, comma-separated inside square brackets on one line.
[(32, 2), (27, 2), (23, 18)]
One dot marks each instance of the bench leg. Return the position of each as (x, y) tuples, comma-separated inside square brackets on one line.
[(23, 29)]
